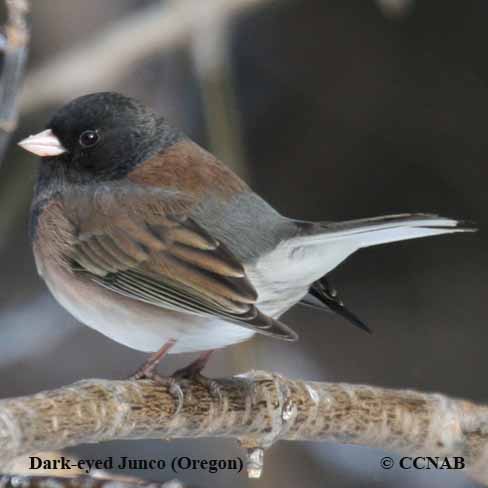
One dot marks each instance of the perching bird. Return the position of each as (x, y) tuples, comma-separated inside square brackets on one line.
[(146, 237)]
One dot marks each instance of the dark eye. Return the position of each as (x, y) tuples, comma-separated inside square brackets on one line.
[(89, 138)]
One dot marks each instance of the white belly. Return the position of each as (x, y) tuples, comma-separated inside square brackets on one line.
[(281, 279), (136, 324)]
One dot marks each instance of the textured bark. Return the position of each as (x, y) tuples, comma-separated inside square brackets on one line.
[(257, 408)]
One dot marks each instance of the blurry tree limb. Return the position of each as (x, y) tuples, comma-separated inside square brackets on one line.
[(107, 56), (14, 47), (210, 51), (257, 408), (396, 9), (103, 59)]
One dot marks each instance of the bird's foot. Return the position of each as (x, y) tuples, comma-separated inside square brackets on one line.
[(193, 372), (148, 372), (148, 369), (209, 383), (172, 383), (140, 374)]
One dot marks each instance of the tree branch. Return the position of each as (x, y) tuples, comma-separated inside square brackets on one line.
[(14, 46), (257, 408), (92, 65)]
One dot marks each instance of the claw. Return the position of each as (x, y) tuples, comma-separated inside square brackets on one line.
[(194, 372), (172, 383), (176, 392), (209, 383)]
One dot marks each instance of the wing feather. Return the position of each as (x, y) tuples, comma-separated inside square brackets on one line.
[(166, 259)]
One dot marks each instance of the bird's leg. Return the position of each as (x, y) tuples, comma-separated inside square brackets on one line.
[(195, 368), (147, 369), (194, 372)]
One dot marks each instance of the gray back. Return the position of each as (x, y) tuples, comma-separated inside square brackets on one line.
[(246, 224)]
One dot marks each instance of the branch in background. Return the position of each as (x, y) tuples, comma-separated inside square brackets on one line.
[(257, 408), (396, 9), (93, 66), (14, 57), (210, 51)]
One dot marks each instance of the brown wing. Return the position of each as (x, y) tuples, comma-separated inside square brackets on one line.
[(142, 244)]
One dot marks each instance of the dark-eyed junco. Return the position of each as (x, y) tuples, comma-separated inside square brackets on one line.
[(146, 237)]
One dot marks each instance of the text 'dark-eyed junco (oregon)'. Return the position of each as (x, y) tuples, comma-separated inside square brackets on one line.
[(146, 237)]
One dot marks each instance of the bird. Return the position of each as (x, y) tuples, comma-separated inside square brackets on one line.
[(146, 237)]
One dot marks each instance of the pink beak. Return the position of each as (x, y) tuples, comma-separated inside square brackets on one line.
[(43, 144)]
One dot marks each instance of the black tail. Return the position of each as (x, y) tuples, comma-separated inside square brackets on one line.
[(322, 296)]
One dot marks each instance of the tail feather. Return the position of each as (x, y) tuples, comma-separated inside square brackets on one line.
[(381, 230), (323, 246), (323, 296)]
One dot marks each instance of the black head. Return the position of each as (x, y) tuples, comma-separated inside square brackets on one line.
[(104, 136)]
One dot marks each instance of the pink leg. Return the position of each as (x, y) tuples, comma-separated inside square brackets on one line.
[(195, 368), (147, 369)]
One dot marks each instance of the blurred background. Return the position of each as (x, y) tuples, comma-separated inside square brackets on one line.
[(331, 110)]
